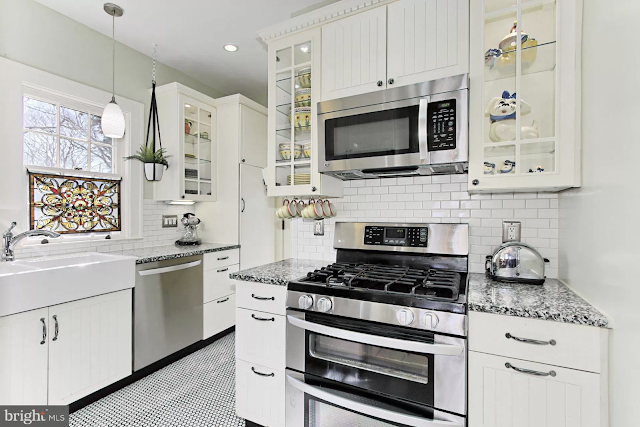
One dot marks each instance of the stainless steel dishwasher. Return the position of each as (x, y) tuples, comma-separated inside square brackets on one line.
[(167, 308)]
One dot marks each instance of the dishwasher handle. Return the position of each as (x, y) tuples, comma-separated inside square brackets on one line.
[(170, 268)]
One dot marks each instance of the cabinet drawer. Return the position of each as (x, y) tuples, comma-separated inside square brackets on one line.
[(217, 282), (260, 394), (262, 297), (214, 260), (543, 396), (261, 338), (575, 346), (218, 315)]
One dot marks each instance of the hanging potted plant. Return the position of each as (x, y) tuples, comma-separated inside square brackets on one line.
[(155, 162)]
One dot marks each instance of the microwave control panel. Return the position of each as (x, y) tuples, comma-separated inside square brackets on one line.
[(441, 122), (396, 236)]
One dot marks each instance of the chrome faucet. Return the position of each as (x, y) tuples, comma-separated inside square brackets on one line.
[(9, 241)]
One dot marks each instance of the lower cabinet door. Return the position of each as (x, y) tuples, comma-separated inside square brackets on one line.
[(90, 345), (516, 393), (218, 315), (260, 394), (24, 352), (261, 338)]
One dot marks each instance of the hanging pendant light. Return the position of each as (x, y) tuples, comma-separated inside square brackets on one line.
[(112, 122)]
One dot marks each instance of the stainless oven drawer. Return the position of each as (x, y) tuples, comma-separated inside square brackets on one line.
[(313, 405)]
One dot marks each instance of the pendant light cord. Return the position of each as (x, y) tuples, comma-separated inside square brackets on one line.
[(113, 70)]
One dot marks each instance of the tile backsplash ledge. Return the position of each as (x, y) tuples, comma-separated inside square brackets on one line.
[(439, 198), (153, 235)]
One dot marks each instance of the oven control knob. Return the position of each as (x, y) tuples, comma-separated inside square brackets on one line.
[(324, 305), (405, 317), (430, 320), (305, 302)]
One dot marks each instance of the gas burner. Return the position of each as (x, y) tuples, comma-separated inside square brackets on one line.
[(433, 284)]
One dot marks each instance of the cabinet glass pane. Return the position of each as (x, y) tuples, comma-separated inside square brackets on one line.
[(494, 6), (190, 186), (538, 157), (500, 160), (302, 175), (283, 58), (302, 53), (283, 175), (538, 23), (302, 117), (205, 117), (538, 96), (205, 188)]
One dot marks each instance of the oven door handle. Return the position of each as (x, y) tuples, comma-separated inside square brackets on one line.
[(393, 343), (422, 128), (372, 411)]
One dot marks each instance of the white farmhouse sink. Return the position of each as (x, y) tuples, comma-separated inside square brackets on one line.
[(41, 282)]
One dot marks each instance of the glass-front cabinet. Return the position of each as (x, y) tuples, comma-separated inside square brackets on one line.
[(188, 129), (525, 88), (294, 78)]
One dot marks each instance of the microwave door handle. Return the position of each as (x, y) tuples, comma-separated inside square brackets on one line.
[(422, 128), (393, 343), (372, 411)]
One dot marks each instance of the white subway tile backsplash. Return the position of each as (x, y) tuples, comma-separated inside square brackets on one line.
[(439, 199)]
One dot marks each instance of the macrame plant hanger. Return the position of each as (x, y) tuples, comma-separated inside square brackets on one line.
[(153, 114)]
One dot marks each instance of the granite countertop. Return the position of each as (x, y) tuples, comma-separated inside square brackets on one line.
[(551, 301), (162, 253), (279, 273)]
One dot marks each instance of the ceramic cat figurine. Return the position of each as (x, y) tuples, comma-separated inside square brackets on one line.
[(502, 112)]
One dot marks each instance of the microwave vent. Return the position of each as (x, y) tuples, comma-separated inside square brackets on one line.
[(447, 169)]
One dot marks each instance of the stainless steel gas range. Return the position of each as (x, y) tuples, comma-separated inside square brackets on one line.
[(379, 338)]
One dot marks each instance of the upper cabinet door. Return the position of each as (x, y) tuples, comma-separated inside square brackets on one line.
[(253, 137), (427, 40), (354, 54)]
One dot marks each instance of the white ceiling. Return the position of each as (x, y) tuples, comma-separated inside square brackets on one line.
[(190, 34)]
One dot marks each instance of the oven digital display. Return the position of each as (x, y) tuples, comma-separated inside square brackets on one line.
[(395, 233)]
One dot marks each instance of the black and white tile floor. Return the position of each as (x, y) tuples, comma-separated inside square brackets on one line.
[(196, 391)]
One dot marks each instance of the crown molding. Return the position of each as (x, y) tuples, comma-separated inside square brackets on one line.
[(318, 17)]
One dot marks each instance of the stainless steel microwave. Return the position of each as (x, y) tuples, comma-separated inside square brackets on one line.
[(421, 129)]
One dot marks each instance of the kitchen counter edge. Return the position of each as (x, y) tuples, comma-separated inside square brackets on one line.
[(162, 253)]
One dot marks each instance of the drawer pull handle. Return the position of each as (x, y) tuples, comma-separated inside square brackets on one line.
[(530, 372), (224, 269), (222, 300), (529, 341), (44, 331), (263, 298), (264, 319), (223, 258), (261, 374)]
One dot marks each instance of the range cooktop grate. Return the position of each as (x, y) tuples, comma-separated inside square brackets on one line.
[(432, 284)]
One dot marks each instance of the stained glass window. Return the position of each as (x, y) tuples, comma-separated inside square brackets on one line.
[(70, 204)]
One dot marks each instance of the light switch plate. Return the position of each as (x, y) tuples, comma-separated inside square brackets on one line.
[(169, 221), (318, 227), (511, 231)]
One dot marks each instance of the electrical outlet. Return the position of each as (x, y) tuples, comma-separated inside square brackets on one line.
[(511, 231), (318, 227), (169, 221)]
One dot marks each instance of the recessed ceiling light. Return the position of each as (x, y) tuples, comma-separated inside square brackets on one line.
[(230, 47)]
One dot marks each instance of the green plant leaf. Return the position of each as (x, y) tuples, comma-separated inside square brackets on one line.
[(146, 155)]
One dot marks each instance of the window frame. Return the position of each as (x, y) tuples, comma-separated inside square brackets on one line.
[(61, 101)]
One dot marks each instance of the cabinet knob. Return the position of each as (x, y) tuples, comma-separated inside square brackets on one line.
[(475, 182), (313, 188), (242, 160), (183, 197), (390, 81), (379, 83)]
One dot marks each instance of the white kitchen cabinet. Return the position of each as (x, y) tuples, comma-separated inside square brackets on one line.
[(89, 345), (354, 59), (188, 126), (427, 40), (294, 90), (260, 352), (253, 137), (257, 228), (59, 354), (260, 394), (501, 396), (524, 108), (24, 349), (261, 338), (219, 315), (217, 283)]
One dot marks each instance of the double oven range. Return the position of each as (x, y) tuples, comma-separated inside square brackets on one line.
[(379, 338)]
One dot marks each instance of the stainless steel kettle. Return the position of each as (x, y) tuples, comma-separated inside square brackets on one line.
[(517, 262)]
